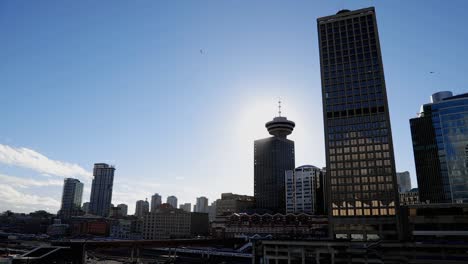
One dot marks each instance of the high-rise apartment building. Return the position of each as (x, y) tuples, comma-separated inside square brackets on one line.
[(141, 208), (156, 201), (172, 201), (187, 207), (123, 209), (363, 194), (201, 205), (71, 198), (272, 157), (440, 146), (305, 190), (101, 189), (404, 181)]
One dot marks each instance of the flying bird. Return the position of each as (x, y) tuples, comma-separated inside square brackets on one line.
[(431, 72), (201, 51)]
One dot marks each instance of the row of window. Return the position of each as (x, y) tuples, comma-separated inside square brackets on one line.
[(356, 120), (356, 74), (376, 133), (357, 21), (355, 131), (357, 164), (367, 65), (348, 83), (364, 212), (332, 54), (358, 179)]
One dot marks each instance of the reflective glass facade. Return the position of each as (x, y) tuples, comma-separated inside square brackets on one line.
[(450, 120), (360, 161)]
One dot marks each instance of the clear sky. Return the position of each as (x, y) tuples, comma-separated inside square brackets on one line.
[(124, 82)]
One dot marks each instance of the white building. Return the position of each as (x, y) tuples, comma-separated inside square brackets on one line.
[(172, 200), (202, 205), (156, 201), (304, 190), (404, 182)]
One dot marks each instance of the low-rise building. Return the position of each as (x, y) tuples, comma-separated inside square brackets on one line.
[(89, 225), (432, 222), (233, 203), (125, 229), (166, 223), (274, 226)]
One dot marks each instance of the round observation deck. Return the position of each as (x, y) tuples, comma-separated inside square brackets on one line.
[(280, 126)]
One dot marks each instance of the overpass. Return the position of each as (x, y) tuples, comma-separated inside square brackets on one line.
[(75, 250)]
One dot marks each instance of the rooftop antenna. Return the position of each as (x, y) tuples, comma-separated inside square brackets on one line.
[(279, 107)]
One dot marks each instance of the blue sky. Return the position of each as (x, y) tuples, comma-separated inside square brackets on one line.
[(124, 82)]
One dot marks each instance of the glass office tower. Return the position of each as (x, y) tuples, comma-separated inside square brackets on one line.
[(440, 146), (363, 194)]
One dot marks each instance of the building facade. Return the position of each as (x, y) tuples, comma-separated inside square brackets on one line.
[(187, 207), (305, 190), (101, 189), (284, 226), (409, 198), (172, 201), (440, 147), (272, 157), (404, 181), (123, 209), (202, 205), (71, 198), (141, 208), (363, 194), (156, 201), (166, 224), (234, 203)]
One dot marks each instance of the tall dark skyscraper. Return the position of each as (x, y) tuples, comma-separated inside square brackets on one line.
[(363, 194), (273, 156), (101, 189), (71, 198), (440, 146)]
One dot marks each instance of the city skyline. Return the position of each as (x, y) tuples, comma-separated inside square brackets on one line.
[(155, 120)]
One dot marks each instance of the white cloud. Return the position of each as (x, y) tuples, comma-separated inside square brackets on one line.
[(26, 183), (11, 197), (28, 158)]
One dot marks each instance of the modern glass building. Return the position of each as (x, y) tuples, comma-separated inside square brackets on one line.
[(363, 194), (71, 198), (272, 157), (101, 189), (440, 145)]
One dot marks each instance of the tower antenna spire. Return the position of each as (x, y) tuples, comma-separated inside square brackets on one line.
[(279, 107)]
